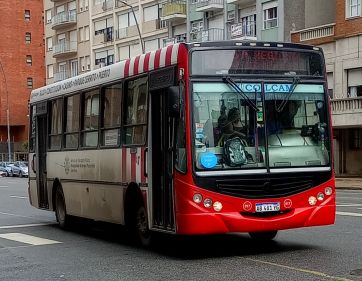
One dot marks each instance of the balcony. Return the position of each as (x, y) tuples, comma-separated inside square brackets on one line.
[(153, 25), (245, 30), (103, 36), (212, 34), (174, 11), (241, 2), (65, 48), (103, 7), (64, 19), (346, 112), (209, 5), (177, 39), (119, 3), (321, 34), (127, 32), (59, 76)]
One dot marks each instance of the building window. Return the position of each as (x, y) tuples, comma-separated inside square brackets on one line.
[(81, 34), (49, 44), (355, 138), (86, 33), (248, 25), (135, 112), (27, 37), (87, 62), (29, 60), (104, 58), (50, 71), (270, 14), (354, 8), (29, 82), (27, 15), (48, 16), (354, 82)]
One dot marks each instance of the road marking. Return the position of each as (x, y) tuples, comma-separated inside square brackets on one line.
[(22, 197), (349, 214), (14, 215), (349, 205), (28, 239), (316, 273), (24, 225)]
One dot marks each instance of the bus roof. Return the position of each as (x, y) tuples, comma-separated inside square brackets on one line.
[(134, 66), (143, 63)]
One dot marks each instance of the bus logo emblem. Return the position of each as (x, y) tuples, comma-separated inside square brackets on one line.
[(247, 206)]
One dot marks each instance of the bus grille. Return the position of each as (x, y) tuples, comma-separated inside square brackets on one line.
[(265, 187)]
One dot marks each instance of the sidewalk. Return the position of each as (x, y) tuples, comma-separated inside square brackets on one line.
[(349, 183)]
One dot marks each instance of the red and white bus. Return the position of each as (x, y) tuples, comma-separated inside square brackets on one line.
[(196, 138)]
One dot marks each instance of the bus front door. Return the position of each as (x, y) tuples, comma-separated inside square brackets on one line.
[(162, 127), (40, 164)]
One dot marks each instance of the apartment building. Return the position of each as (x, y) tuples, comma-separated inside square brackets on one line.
[(340, 36), (21, 70)]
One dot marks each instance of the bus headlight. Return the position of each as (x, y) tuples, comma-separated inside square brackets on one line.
[(217, 206), (328, 191), (197, 198), (320, 196), (207, 203), (312, 200)]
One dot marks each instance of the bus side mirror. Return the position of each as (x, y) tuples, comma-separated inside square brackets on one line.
[(173, 94)]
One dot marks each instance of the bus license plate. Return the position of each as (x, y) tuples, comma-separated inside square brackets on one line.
[(267, 207)]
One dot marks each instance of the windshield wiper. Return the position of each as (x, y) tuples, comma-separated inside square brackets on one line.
[(281, 106), (237, 89)]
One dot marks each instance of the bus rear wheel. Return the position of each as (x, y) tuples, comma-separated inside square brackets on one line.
[(143, 233), (60, 209), (263, 236)]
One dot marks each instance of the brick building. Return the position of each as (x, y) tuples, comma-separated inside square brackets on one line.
[(340, 37), (21, 67)]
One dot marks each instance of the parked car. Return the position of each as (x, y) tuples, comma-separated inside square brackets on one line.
[(7, 167), (3, 172), (20, 168)]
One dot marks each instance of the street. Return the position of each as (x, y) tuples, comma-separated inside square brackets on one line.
[(32, 247)]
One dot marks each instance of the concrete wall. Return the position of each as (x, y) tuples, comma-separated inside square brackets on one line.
[(319, 12), (294, 15)]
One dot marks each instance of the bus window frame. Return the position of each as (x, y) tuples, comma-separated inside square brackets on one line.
[(65, 124), (123, 118), (49, 122), (82, 111), (120, 127)]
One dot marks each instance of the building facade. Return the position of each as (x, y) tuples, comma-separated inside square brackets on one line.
[(340, 36), (21, 70)]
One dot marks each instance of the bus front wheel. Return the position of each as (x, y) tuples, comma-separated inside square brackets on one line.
[(60, 208), (263, 236)]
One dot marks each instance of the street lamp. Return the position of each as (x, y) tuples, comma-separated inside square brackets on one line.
[(138, 28), (7, 110)]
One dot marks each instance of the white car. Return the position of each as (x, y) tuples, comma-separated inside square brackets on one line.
[(20, 169)]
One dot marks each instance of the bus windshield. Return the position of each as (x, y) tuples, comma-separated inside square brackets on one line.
[(288, 129)]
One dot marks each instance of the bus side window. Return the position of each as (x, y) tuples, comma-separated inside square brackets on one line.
[(90, 119), (135, 106), (55, 130), (71, 119)]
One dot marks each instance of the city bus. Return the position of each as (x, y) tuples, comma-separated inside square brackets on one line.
[(191, 139)]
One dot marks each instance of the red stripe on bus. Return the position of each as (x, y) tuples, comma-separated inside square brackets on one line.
[(157, 58), (143, 178), (126, 68), (133, 165), (124, 165), (168, 55), (146, 62), (135, 67)]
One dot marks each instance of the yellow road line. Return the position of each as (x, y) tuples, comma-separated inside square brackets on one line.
[(316, 273)]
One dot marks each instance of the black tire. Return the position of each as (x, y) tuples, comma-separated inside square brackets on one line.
[(60, 209), (263, 236), (143, 233)]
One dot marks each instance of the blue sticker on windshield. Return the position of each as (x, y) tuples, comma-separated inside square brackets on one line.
[(208, 160)]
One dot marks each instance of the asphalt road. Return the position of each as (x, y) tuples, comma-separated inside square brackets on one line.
[(32, 247)]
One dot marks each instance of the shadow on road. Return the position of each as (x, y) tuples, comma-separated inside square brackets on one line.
[(186, 247)]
